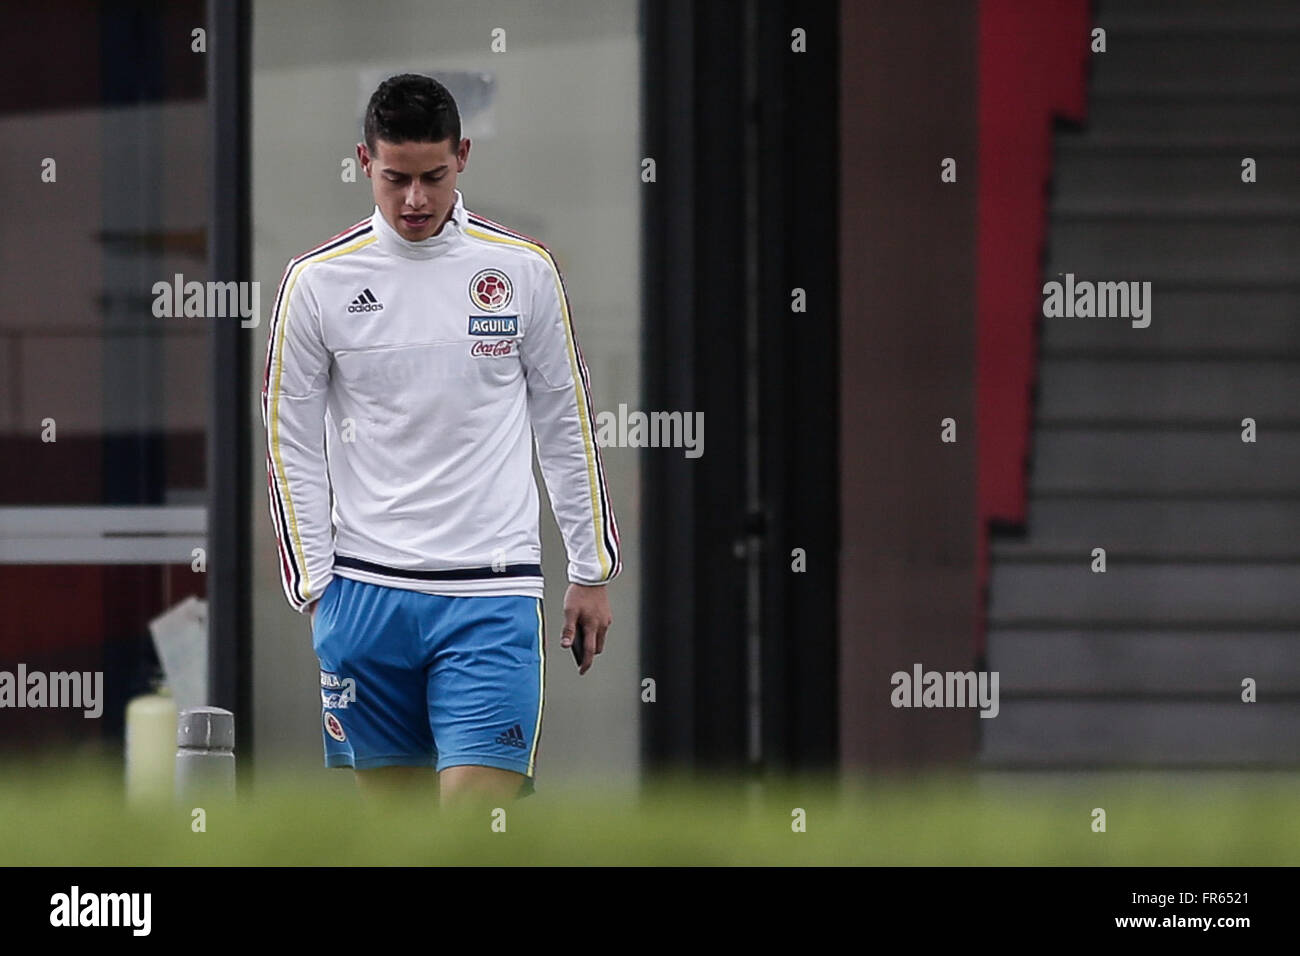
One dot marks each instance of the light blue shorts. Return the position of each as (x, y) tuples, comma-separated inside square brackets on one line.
[(423, 680)]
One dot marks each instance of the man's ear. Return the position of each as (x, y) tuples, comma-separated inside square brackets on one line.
[(363, 156)]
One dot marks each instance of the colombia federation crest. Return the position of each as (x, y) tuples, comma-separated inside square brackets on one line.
[(490, 290)]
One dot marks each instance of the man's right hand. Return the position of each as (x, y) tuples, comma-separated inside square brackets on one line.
[(311, 608)]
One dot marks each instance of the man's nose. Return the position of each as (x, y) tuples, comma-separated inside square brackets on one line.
[(416, 197)]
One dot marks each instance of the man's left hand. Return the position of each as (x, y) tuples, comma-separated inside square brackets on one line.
[(588, 606)]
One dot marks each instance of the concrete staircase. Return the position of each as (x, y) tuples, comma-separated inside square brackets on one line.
[(1137, 436)]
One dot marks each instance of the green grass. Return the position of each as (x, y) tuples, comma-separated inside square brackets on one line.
[(74, 814)]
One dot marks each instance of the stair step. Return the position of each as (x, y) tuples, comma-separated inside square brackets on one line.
[(1153, 390), (1206, 14), (1056, 527), (1229, 56), (1072, 595), (1191, 321), (1188, 84), (1098, 144), (1268, 250), (1158, 460), (1072, 661), (1081, 733), (1203, 179), (1183, 120), (1190, 210)]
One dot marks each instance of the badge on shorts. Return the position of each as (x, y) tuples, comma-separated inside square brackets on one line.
[(334, 728)]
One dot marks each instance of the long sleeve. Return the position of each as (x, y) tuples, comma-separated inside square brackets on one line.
[(293, 413), (564, 429)]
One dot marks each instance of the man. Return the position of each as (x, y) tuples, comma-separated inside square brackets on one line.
[(413, 361)]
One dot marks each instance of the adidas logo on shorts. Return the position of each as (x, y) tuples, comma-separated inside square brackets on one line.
[(514, 737)]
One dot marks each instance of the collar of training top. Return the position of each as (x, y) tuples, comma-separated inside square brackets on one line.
[(452, 231)]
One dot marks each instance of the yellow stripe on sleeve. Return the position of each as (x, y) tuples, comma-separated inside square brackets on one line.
[(281, 479), (578, 385)]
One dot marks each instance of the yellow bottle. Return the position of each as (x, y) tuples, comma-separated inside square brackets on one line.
[(151, 747)]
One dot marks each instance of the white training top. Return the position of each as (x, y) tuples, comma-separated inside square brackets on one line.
[(404, 377)]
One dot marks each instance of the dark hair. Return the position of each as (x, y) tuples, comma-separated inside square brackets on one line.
[(412, 108)]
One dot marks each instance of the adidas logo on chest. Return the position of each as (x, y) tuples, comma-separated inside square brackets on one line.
[(365, 302)]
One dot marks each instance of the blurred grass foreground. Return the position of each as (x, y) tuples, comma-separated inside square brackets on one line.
[(75, 814)]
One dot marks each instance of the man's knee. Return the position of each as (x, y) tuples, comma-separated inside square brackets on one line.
[(396, 781), (474, 784)]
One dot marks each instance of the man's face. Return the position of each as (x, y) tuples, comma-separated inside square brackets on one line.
[(414, 183)]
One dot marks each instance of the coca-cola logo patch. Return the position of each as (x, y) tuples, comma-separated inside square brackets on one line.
[(493, 349)]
